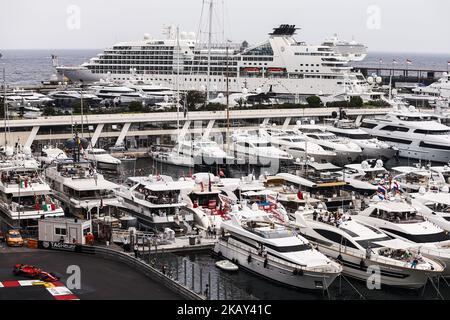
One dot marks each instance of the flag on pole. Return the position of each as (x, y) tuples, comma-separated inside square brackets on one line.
[(408, 61)]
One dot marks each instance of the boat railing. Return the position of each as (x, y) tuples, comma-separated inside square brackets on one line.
[(375, 257)]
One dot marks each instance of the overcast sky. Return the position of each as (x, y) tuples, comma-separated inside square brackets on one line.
[(384, 25)]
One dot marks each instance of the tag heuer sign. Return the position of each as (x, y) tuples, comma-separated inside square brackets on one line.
[(63, 246)]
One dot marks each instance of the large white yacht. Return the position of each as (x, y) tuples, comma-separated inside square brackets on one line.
[(296, 145), (371, 147), (309, 181), (102, 159), (401, 220), (25, 197), (282, 63), (188, 153), (346, 150), (351, 50), (257, 150), (440, 88), (416, 135), (157, 202), (256, 243), (21, 98), (359, 247), (82, 191)]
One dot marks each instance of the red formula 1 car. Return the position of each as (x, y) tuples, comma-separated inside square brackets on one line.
[(34, 273)]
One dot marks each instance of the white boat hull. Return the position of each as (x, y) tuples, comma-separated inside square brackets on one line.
[(308, 280)]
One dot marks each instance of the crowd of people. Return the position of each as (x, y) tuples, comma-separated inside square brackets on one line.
[(333, 218)]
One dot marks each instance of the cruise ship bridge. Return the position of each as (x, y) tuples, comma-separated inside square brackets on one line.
[(144, 129)]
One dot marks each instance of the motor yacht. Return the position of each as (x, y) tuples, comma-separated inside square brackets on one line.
[(255, 243), (346, 150), (371, 147), (257, 150), (188, 153), (311, 180), (296, 145), (415, 134), (157, 201), (361, 248), (102, 159), (400, 220), (25, 197), (82, 191)]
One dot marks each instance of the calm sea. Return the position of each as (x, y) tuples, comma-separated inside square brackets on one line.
[(33, 66)]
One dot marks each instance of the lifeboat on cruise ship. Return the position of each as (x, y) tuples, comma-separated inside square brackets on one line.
[(276, 70), (252, 70)]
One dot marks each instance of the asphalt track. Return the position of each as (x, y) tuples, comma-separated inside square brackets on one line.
[(100, 279)]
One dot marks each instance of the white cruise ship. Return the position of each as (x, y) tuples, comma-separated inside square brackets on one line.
[(281, 64), (416, 135), (352, 50)]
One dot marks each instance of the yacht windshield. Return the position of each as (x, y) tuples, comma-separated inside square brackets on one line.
[(370, 242)]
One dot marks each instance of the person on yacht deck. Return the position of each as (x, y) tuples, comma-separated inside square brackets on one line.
[(315, 215), (368, 252)]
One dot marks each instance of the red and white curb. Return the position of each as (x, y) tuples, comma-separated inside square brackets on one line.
[(57, 289)]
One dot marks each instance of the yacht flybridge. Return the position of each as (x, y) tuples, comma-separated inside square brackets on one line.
[(415, 134), (273, 251), (281, 65)]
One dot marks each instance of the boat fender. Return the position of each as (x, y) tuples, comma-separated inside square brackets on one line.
[(249, 258), (265, 263), (219, 253)]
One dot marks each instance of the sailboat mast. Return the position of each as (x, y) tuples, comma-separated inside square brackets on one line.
[(178, 82), (227, 140), (5, 109), (208, 85)]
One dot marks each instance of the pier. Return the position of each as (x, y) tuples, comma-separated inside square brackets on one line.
[(402, 75), (143, 130)]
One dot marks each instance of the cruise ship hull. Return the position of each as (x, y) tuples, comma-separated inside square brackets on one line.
[(278, 85), (310, 280)]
